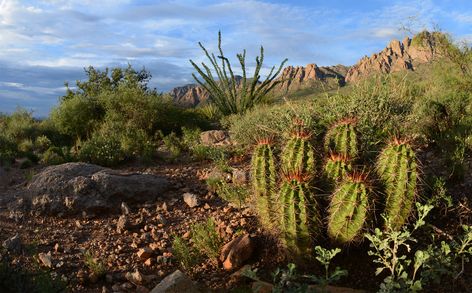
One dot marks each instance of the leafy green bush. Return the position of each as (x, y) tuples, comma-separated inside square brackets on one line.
[(53, 156), (8, 151), (102, 150), (42, 143)]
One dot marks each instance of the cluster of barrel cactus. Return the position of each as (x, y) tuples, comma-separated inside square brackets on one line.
[(285, 196)]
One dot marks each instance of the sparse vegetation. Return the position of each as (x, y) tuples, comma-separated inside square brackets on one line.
[(206, 238)]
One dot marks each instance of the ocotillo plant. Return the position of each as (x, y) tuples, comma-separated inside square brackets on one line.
[(264, 182), (297, 217), (337, 167), (341, 138), (348, 209), (298, 154), (397, 168)]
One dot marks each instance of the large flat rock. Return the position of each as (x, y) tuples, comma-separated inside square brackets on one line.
[(75, 187)]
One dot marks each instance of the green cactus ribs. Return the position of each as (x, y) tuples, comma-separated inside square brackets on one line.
[(337, 167), (264, 182), (397, 168), (297, 217), (298, 154), (341, 138), (348, 209)]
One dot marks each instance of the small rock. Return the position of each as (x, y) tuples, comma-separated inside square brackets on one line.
[(136, 277), (124, 208), (145, 253), (122, 224), (206, 206), (240, 176), (190, 199), (176, 282), (236, 252), (186, 235), (45, 259), (12, 244), (56, 247), (148, 262)]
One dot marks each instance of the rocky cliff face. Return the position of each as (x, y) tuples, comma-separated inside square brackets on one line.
[(405, 55), (300, 77), (189, 95)]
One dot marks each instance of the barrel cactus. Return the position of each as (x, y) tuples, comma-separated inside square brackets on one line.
[(397, 168), (298, 154), (337, 167), (341, 138), (348, 209), (297, 214), (264, 181)]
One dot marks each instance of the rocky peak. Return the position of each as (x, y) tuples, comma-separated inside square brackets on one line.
[(189, 95), (407, 54)]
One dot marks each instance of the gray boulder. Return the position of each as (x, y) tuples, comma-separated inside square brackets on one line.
[(176, 282), (215, 138), (75, 187)]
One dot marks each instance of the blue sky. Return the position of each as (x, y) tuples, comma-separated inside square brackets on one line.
[(45, 43)]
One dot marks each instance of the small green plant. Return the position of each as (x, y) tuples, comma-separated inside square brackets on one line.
[(288, 280), (53, 156), (186, 255), (324, 257), (172, 144), (42, 143), (29, 175), (348, 209), (397, 167), (235, 194), (388, 247), (440, 197), (206, 238), (95, 266)]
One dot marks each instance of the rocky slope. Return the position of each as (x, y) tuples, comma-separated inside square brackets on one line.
[(397, 56), (189, 95)]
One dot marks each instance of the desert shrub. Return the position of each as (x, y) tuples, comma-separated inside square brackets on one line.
[(8, 151), (173, 144), (95, 265), (206, 238), (185, 254), (53, 156), (102, 149), (269, 121), (190, 137), (42, 143), (26, 145), (77, 116), (232, 95), (235, 194)]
